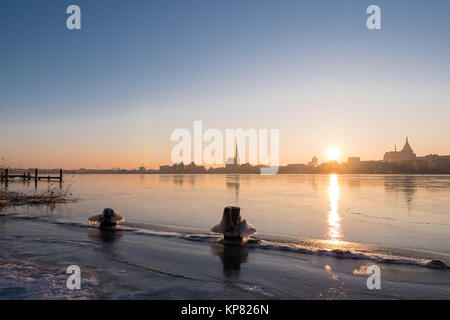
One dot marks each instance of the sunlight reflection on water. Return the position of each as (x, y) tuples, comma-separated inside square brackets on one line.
[(334, 226)]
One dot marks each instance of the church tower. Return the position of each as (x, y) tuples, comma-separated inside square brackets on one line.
[(407, 148), (406, 154)]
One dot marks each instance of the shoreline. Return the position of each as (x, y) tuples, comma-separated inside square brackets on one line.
[(284, 173), (133, 265), (150, 172)]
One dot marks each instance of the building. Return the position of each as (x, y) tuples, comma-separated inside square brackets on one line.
[(193, 168), (314, 162), (233, 163), (353, 160), (165, 169), (406, 154), (434, 163), (293, 168), (354, 163), (181, 168)]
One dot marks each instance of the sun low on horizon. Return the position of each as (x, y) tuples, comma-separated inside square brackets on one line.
[(333, 153)]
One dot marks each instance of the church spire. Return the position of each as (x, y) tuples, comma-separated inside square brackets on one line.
[(407, 147)]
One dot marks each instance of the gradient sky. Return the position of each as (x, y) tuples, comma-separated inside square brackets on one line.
[(112, 93)]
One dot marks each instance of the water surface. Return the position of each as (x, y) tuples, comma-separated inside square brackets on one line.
[(399, 211)]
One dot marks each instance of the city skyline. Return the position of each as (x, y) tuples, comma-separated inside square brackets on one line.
[(405, 154)]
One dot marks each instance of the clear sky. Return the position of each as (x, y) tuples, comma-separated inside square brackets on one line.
[(112, 93)]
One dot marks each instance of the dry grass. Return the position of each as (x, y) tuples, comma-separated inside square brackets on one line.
[(49, 197)]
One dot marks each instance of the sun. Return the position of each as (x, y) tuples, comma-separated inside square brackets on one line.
[(333, 153)]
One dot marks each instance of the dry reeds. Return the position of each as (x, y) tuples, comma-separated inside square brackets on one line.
[(48, 197)]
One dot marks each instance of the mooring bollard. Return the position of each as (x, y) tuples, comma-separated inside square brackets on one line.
[(108, 219), (36, 174), (232, 226)]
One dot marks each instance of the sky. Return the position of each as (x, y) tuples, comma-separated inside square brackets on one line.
[(111, 94)]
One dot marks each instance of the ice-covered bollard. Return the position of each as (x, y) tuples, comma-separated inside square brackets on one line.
[(232, 226), (109, 218)]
